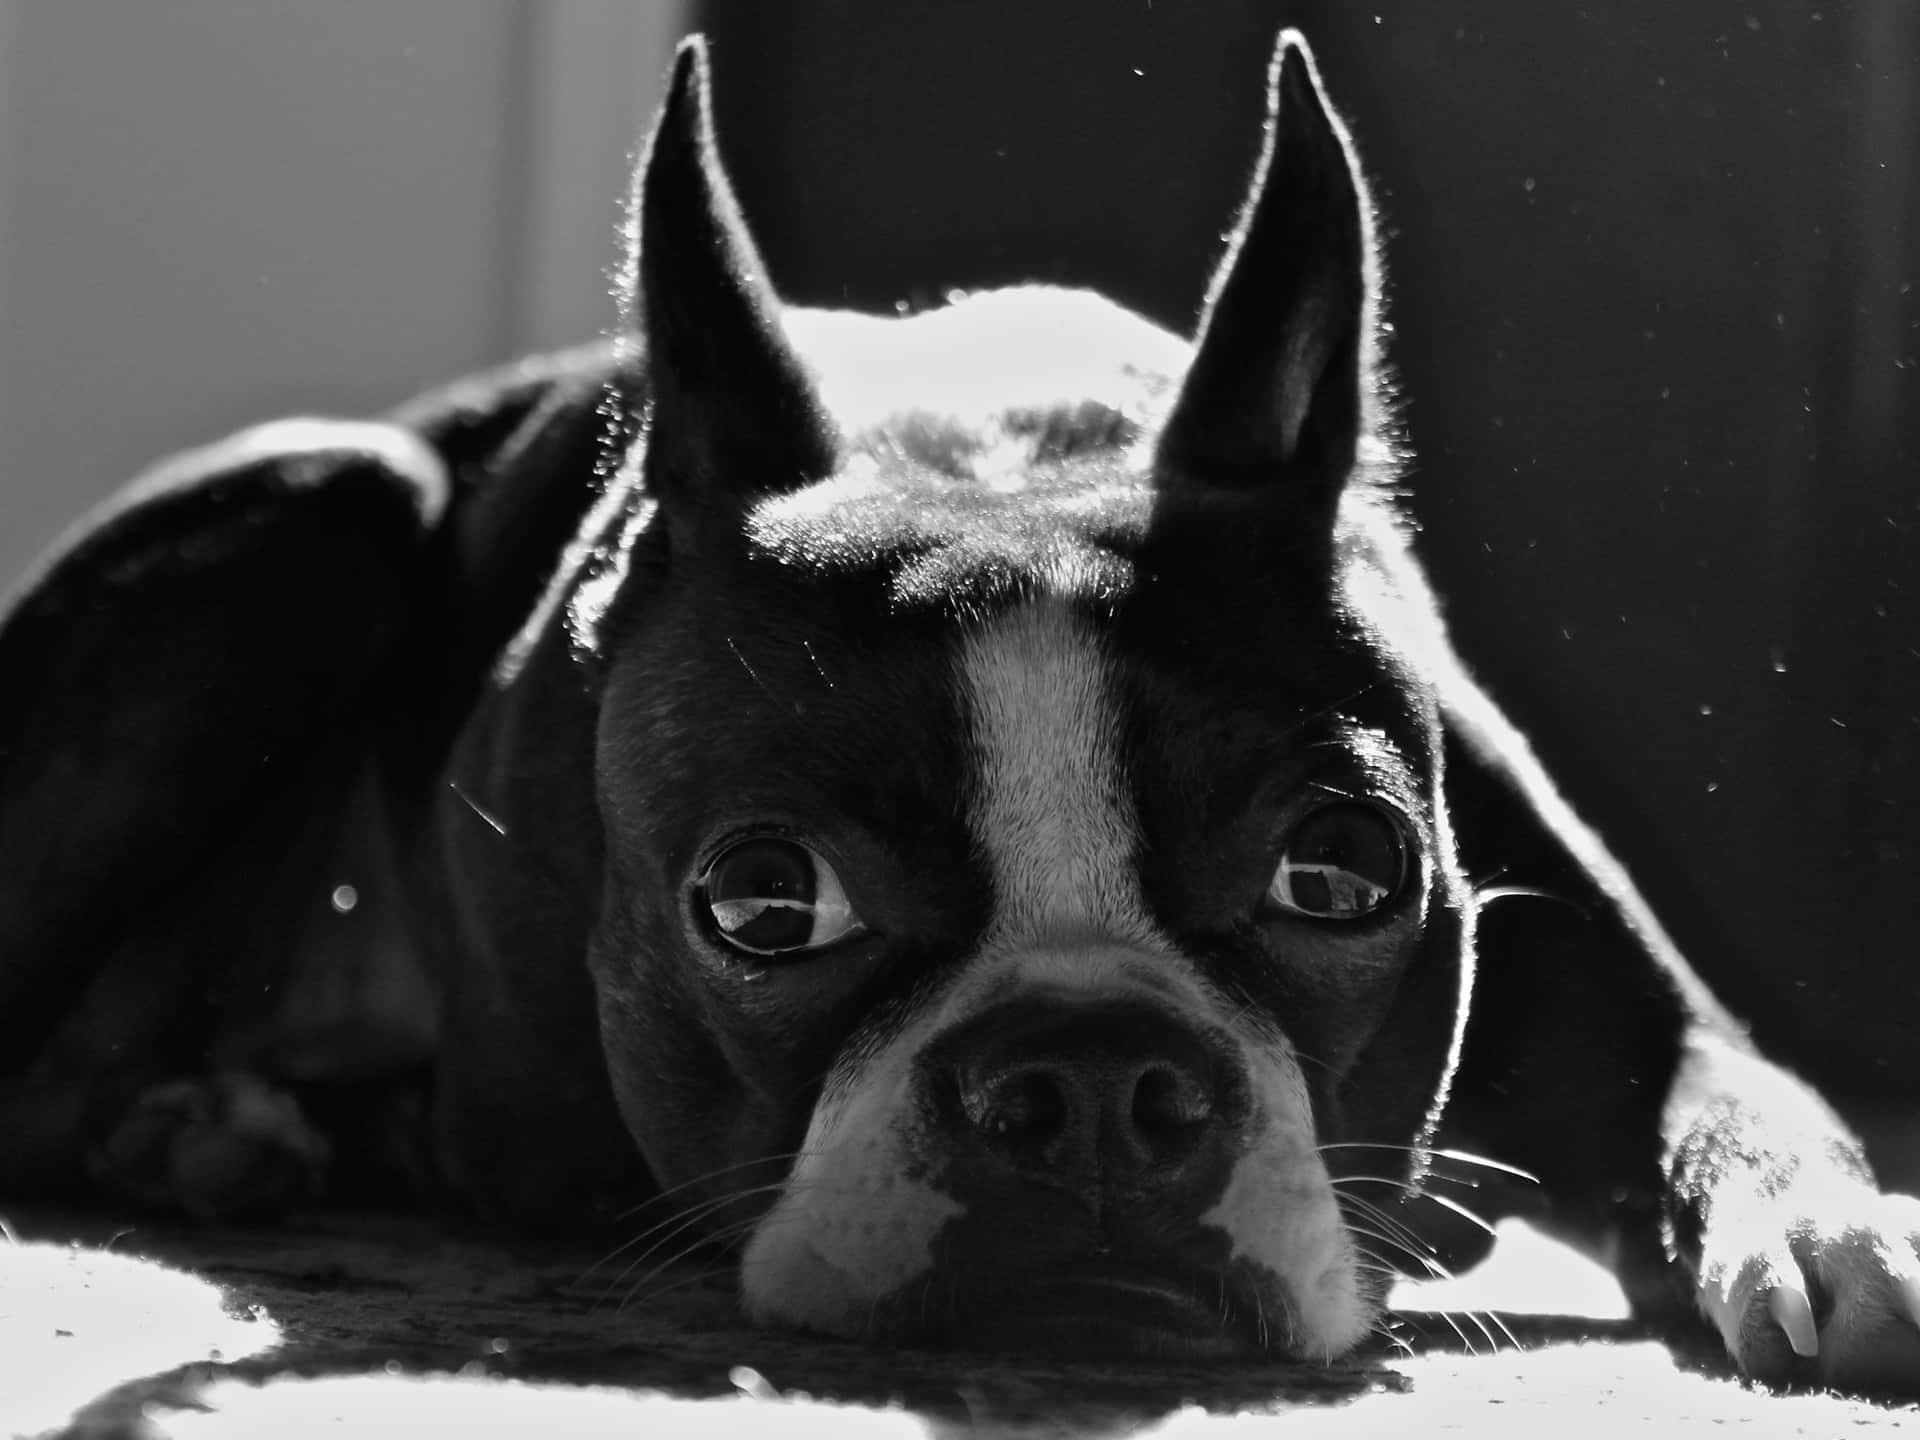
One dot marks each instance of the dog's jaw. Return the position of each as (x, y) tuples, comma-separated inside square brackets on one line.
[(859, 1227)]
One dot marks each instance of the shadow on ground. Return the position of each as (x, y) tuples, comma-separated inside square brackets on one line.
[(404, 1328)]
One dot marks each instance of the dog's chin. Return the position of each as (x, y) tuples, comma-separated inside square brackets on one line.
[(1083, 1311)]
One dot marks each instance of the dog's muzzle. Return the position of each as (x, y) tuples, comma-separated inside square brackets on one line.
[(1044, 1169), (1085, 1140)]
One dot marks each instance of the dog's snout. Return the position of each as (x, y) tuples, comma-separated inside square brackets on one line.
[(1112, 1093), (1138, 1112)]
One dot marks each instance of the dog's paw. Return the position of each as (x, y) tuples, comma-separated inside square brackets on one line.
[(224, 1147), (1820, 1291)]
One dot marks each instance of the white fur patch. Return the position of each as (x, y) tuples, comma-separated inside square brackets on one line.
[(851, 1226), (1049, 809), (1279, 1208), (1053, 818)]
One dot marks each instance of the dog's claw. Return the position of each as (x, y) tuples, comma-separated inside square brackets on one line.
[(1793, 1313), (1854, 1256)]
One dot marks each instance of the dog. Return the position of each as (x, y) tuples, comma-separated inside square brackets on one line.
[(976, 810)]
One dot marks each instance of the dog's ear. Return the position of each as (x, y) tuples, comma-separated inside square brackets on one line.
[(734, 414), (1276, 392)]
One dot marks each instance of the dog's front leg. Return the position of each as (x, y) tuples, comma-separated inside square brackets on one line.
[(1715, 1182), (1804, 1267)]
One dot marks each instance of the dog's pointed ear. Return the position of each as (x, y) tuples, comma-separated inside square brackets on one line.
[(1276, 392), (734, 414)]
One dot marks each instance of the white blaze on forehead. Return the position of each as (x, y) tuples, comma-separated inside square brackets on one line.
[(1049, 807)]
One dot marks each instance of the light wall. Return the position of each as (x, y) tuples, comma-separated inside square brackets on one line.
[(217, 211)]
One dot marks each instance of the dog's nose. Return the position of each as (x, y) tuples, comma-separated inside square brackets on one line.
[(1113, 1092)]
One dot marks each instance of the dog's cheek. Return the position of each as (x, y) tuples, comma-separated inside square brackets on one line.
[(1393, 1085), (855, 1223), (687, 1104), (1279, 1213)]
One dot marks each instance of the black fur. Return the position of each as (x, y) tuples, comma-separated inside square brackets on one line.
[(360, 759)]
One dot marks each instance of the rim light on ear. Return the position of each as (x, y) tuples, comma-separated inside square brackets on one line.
[(734, 414), (1276, 392)]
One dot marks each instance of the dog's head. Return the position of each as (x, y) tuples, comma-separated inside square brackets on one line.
[(1028, 890)]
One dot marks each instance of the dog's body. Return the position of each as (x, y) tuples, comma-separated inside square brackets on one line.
[(981, 807)]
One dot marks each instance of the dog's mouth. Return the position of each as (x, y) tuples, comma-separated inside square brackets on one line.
[(1091, 1309)]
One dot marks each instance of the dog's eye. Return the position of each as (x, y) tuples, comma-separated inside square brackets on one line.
[(1341, 862), (776, 897)]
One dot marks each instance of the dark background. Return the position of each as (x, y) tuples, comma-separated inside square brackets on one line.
[(1654, 276)]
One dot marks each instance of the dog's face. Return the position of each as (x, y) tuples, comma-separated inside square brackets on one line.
[(1027, 871)]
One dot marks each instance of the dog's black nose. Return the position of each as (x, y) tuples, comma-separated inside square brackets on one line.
[(1111, 1093)]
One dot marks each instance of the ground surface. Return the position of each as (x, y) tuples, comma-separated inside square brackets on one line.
[(390, 1329)]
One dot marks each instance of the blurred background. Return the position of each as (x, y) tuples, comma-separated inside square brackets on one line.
[(1656, 282)]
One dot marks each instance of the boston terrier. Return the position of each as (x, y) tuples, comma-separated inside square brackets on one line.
[(976, 810)]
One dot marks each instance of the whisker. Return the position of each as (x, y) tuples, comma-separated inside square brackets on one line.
[(1431, 1263), (1348, 1197), (1473, 1317), (685, 1282), (681, 1218), (1370, 1262), (1387, 1332), (1465, 1214), (1487, 894), (677, 1219), (639, 1288), (777, 1158), (1512, 1339), (1413, 1246), (1313, 1060), (1477, 1318), (1429, 1260), (1391, 1243), (723, 1235), (1409, 1238), (1459, 1157), (1454, 1325), (644, 1291), (678, 1224), (1402, 1186), (639, 1299)]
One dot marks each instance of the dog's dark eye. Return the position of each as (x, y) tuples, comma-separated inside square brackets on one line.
[(1341, 862), (776, 897)]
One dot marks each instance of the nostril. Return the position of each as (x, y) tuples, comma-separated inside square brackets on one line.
[(1022, 1105), (1061, 1093), (1170, 1098)]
